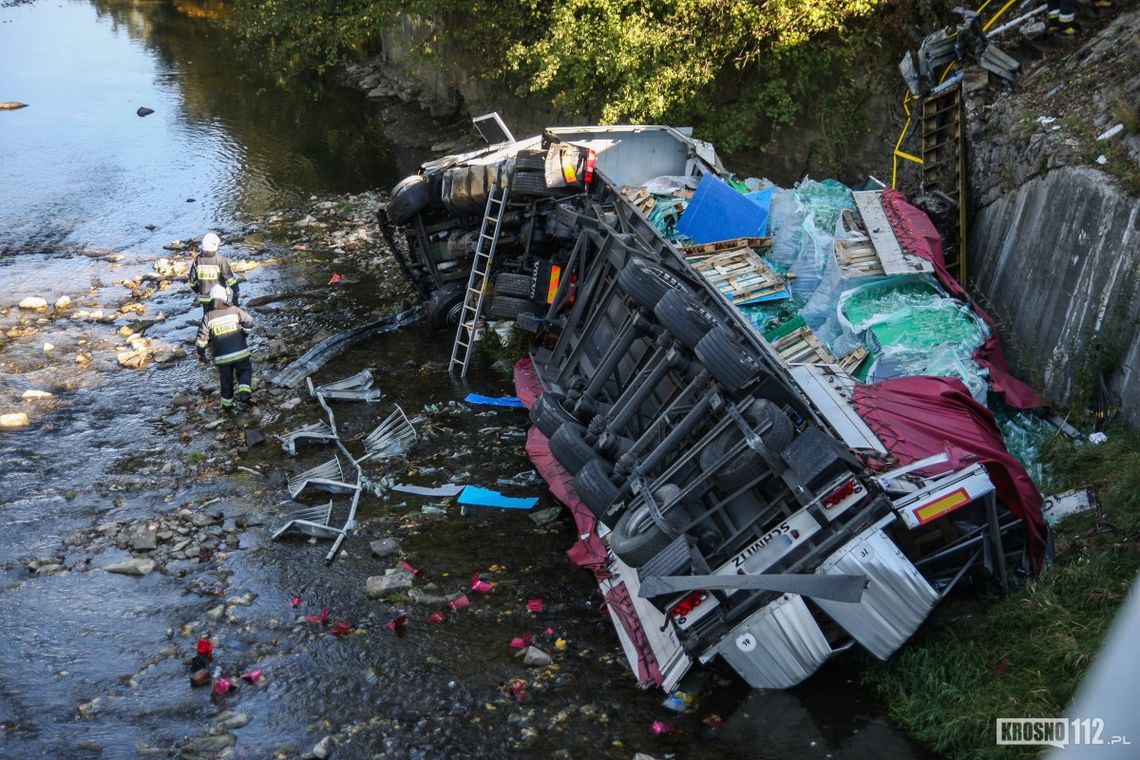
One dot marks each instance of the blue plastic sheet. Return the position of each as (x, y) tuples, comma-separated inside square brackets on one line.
[(474, 496), (509, 401), (719, 212)]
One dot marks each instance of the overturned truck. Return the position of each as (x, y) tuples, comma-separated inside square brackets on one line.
[(765, 506)]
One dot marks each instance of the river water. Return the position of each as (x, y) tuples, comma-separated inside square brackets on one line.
[(94, 661)]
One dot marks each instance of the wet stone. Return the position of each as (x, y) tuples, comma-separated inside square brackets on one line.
[(200, 677), (89, 745), (33, 395), (231, 720), (321, 751), (145, 538), (33, 303), (13, 420), (378, 586), (137, 567), (537, 658), (385, 547), (205, 746), (544, 517)]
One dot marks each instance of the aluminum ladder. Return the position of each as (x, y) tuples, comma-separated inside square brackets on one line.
[(477, 281), (944, 165)]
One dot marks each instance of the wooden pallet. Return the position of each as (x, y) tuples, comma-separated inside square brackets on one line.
[(740, 275), (802, 347), (639, 197), (858, 257), (702, 250), (850, 361)]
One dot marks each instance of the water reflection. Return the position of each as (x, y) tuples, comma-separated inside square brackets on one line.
[(81, 167)]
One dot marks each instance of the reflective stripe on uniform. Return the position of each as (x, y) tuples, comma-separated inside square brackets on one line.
[(226, 403), (244, 389), (232, 357)]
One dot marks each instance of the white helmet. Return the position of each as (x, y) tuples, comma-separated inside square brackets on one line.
[(218, 293), (210, 242)]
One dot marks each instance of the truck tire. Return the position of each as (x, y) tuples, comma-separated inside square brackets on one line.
[(446, 306), (506, 307), (684, 317), (409, 198), (726, 360), (636, 539), (737, 472), (594, 486), (532, 183), (530, 160), (569, 447), (548, 414), (511, 284), (645, 282)]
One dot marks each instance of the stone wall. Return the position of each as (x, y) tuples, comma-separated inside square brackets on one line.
[(1058, 258)]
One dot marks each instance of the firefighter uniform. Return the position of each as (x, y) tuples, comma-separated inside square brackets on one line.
[(210, 269), (223, 329)]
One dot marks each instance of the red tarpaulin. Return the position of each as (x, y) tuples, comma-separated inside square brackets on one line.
[(917, 234), (917, 417)]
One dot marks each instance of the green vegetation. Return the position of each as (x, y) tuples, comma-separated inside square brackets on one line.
[(738, 69), (195, 457), (1025, 656)]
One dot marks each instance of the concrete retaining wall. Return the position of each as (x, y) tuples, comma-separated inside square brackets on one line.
[(1059, 258)]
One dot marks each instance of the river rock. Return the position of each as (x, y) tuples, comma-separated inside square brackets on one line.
[(33, 303), (144, 111), (537, 658), (208, 746), (136, 359), (321, 751), (385, 547), (13, 420), (544, 517), (34, 395), (379, 586), (230, 719), (137, 566), (62, 303)]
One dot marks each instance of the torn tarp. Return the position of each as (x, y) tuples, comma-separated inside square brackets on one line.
[(917, 417)]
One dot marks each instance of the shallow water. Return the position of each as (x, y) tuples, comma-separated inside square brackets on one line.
[(84, 657)]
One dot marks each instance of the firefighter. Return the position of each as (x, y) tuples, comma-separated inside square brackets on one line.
[(210, 269), (223, 329), (1061, 15)]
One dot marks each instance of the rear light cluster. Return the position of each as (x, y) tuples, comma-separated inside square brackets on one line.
[(839, 494), (688, 604), (591, 162)]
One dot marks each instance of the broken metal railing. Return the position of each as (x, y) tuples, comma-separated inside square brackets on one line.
[(392, 437)]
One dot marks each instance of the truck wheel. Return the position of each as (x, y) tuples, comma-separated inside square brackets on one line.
[(569, 447), (409, 198), (511, 284), (726, 360), (645, 282), (532, 183), (446, 306), (636, 539), (594, 486), (743, 469), (531, 160), (504, 307), (548, 414), (683, 316)]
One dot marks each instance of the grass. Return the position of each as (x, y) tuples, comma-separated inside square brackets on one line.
[(195, 457), (1025, 656)]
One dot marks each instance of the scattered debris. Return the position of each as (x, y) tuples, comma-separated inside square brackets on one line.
[(536, 658), (475, 496), (505, 401)]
